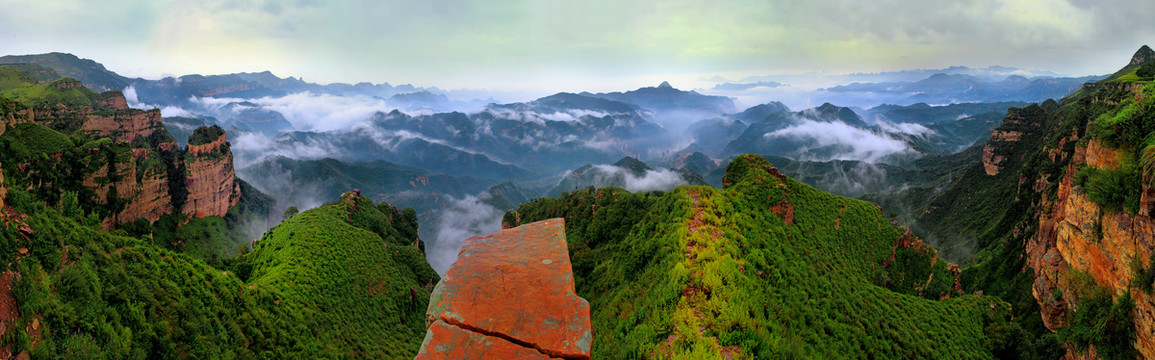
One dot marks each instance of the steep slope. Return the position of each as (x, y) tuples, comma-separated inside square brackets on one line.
[(1059, 205), (123, 158), (61, 138), (358, 272), (336, 281), (91, 73), (766, 267)]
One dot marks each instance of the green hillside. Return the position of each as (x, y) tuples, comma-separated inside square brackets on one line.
[(93, 74), (328, 283), (767, 267), (995, 216), (350, 265)]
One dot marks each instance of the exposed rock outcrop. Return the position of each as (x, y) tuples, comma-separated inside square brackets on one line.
[(1144, 54), (123, 125), (139, 168), (510, 295), (212, 186), (1007, 136), (990, 160), (144, 189), (1076, 233), (109, 116)]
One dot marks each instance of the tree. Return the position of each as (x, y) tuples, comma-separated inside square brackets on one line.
[(70, 205), (292, 210), (1146, 70)]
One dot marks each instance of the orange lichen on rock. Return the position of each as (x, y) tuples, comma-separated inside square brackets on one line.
[(509, 290)]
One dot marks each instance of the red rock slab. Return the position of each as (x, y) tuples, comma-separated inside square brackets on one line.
[(517, 284), (444, 341)]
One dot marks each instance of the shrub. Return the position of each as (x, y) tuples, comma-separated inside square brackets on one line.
[(1114, 187), (1104, 323), (1147, 70), (205, 135)]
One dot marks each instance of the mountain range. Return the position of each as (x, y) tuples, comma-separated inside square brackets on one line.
[(713, 234)]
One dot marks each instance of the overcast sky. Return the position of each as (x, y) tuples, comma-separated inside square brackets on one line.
[(575, 44)]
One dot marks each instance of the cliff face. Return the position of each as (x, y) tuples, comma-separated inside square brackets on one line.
[(137, 163), (510, 295), (1076, 233), (145, 191), (108, 116), (123, 125), (212, 187), (1003, 140)]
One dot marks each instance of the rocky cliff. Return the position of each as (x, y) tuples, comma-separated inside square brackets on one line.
[(510, 295), (1078, 234), (143, 190), (1080, 224), (107, 115), (212, 186), (140, 164)]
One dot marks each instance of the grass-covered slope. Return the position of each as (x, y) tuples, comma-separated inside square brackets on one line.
[(767, 267), (90, 72), (333, 282), (999, 211), (353, 267)]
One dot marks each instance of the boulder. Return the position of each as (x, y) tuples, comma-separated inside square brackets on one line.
[(509, 295)]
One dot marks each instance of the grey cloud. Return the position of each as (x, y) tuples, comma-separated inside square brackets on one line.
[(466, 217), (844, 142)]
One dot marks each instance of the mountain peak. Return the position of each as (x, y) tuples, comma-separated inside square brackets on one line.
[(666, 84), (1144, 54)]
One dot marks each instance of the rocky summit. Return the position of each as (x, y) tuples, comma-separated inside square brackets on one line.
[(509, 295)]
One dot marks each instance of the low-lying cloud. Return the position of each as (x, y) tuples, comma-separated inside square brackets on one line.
[(466, 217), (133, 100), (905, 128), (305, 111), (277, 182), (661, 179), (252, 147), (840, 141)]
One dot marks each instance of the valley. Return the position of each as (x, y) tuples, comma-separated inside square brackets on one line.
[(247, 215)]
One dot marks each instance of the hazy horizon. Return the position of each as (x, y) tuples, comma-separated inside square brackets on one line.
[(540, 47)]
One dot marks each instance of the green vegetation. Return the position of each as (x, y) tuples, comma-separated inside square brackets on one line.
[(1113, 188), (1131, 124), (65, 91), (999, 215), (26, 139), (12, 79), (333, 282), (1147, 70), (290, 212), (88, 71), (352, 265), (765, 268), (318, 286), (205, 134), (1144, 278), (1099, 321), (38, 73), (1128, 128)]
